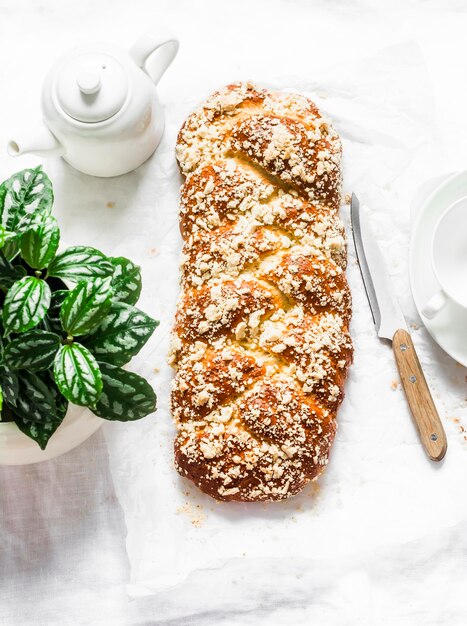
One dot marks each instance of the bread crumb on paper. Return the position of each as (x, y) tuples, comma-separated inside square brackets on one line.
[(460, 427), (395, 385), (194, 512), (315, 488), (110, 205)]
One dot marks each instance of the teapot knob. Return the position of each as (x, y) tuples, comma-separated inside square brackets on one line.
[(88, 81)]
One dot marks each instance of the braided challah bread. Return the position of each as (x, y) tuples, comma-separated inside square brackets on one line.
[(261, 344)]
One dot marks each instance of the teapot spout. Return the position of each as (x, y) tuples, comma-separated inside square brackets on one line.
[(39, 141)]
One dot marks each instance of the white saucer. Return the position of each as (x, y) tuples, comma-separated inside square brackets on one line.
[(449, 327)]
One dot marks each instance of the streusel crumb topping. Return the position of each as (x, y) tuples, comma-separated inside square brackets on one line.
[(261, 344)]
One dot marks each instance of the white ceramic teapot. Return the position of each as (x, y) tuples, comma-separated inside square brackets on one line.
[(100, 107)]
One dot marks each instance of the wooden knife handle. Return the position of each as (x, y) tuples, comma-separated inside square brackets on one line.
[(418, 395)]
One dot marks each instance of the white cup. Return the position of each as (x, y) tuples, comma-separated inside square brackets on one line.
[(449, 259)]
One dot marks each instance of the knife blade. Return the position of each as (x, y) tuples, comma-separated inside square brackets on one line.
[(387, 314), (390, 324)]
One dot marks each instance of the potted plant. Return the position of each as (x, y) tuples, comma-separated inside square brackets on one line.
[(68, 324)]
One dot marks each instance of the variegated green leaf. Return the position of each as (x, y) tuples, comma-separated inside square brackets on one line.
[(121, 334), (34, 351), (126, 280), (40, 432), (11, 249), (26, 303), (9, 273), (77, 375), (25, 192), (5, 236), (1, 400), (40, 242), (125, 396), (27, 221), (61, 403), (51, 321), (9, 384), (3, 190), (36, 399), (85, 306), (80, 263)]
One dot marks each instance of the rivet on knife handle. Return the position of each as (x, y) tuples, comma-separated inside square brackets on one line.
[(418, 395)]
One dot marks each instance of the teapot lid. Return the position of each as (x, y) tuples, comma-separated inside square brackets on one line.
[(91, 87)]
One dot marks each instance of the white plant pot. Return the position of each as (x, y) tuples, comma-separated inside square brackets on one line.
[(16, 448)]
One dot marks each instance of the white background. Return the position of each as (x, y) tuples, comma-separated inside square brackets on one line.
[(67, 564)]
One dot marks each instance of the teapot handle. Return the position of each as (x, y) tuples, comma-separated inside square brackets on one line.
[(167, 45)]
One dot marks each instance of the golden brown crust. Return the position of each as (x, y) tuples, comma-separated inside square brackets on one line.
[(261, 344)]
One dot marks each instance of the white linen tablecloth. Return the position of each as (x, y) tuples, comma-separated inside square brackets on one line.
[(401, 561)]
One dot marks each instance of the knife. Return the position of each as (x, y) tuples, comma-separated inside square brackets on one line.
[(390, 324)]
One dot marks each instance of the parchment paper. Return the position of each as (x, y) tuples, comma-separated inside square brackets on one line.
[(379, 491)]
